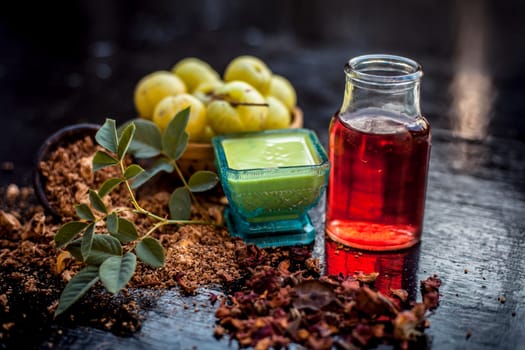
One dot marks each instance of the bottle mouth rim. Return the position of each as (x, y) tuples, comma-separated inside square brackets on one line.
[(383, 68)]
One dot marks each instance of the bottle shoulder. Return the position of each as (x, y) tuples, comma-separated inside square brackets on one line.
[(380, 121)]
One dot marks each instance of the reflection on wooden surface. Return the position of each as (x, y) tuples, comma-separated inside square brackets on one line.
[(471, 88), (397, 270)]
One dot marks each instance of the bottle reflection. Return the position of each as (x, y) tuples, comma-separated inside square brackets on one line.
[(397, 270)]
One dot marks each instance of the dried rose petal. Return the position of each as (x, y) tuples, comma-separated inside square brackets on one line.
[(313, 265), (367, 278), (350, 284), (219, 332), (400, 293), (313, 295), (430, 292), (374, 303), (407, 323), (213, 298), (282, 303), (320, 344), (300, 254), (284, 267), (431, 283), (264, 280), (252, 256), (362, 333)]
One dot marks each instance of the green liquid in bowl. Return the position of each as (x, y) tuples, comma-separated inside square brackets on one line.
[(268, 151), (271, 175)]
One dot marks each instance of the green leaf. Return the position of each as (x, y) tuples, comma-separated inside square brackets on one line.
[(125, 140), (132, 171), (75, 250), (173, 138), (77, 287), (106, 136), (84, 212), (87, 240), (181, 147), (116, 271), (112, 223), (150, 251), (108, 186), (67, 232), (203, 181), (160, 164), (103, 160), (126, 231), (96, 202), (103, 247), (180, 204), (146, 142)]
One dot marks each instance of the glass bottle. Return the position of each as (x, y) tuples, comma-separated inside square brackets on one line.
[(379, 148)]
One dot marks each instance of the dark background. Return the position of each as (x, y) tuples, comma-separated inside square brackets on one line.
[(64, 62)]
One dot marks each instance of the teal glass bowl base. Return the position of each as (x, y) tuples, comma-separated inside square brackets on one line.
[(278, 233)]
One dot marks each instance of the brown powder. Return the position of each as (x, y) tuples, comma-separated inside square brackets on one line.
[(69, 175), (32, 269), (194, 253)]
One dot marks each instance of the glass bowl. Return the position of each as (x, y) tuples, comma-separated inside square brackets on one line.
[(271, 179)]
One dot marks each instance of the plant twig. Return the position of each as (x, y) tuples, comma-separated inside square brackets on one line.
[(201, 210)]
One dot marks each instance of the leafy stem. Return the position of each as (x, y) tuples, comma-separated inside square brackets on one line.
[(132, 198), (111, 255), (201, 210)]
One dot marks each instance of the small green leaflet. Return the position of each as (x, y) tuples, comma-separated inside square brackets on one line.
[(150, 251), (181, 146), (126, 231), (77, 287), (103, 247), (108, 186), (84, 212), (112, 223), (180, 204), (106, 136), (87, 240), (74, 249), (68, 231), (102, 160), (96, 202), (125, 139), (160, 164), (202, 181), (146, 142), (116, 271), (175, 137), (132, 171)]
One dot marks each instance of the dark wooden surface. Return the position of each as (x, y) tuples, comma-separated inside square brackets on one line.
[(73, 71)]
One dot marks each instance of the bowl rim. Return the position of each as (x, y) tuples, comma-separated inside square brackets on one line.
[(221, 162), (60, 137)]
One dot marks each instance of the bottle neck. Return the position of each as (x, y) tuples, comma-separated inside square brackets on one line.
[(385, 82)]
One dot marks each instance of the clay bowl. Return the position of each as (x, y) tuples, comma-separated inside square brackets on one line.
[(60, 138), (200, 156)]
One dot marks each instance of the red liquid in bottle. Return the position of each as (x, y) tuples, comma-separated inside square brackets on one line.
[(376, 191)]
